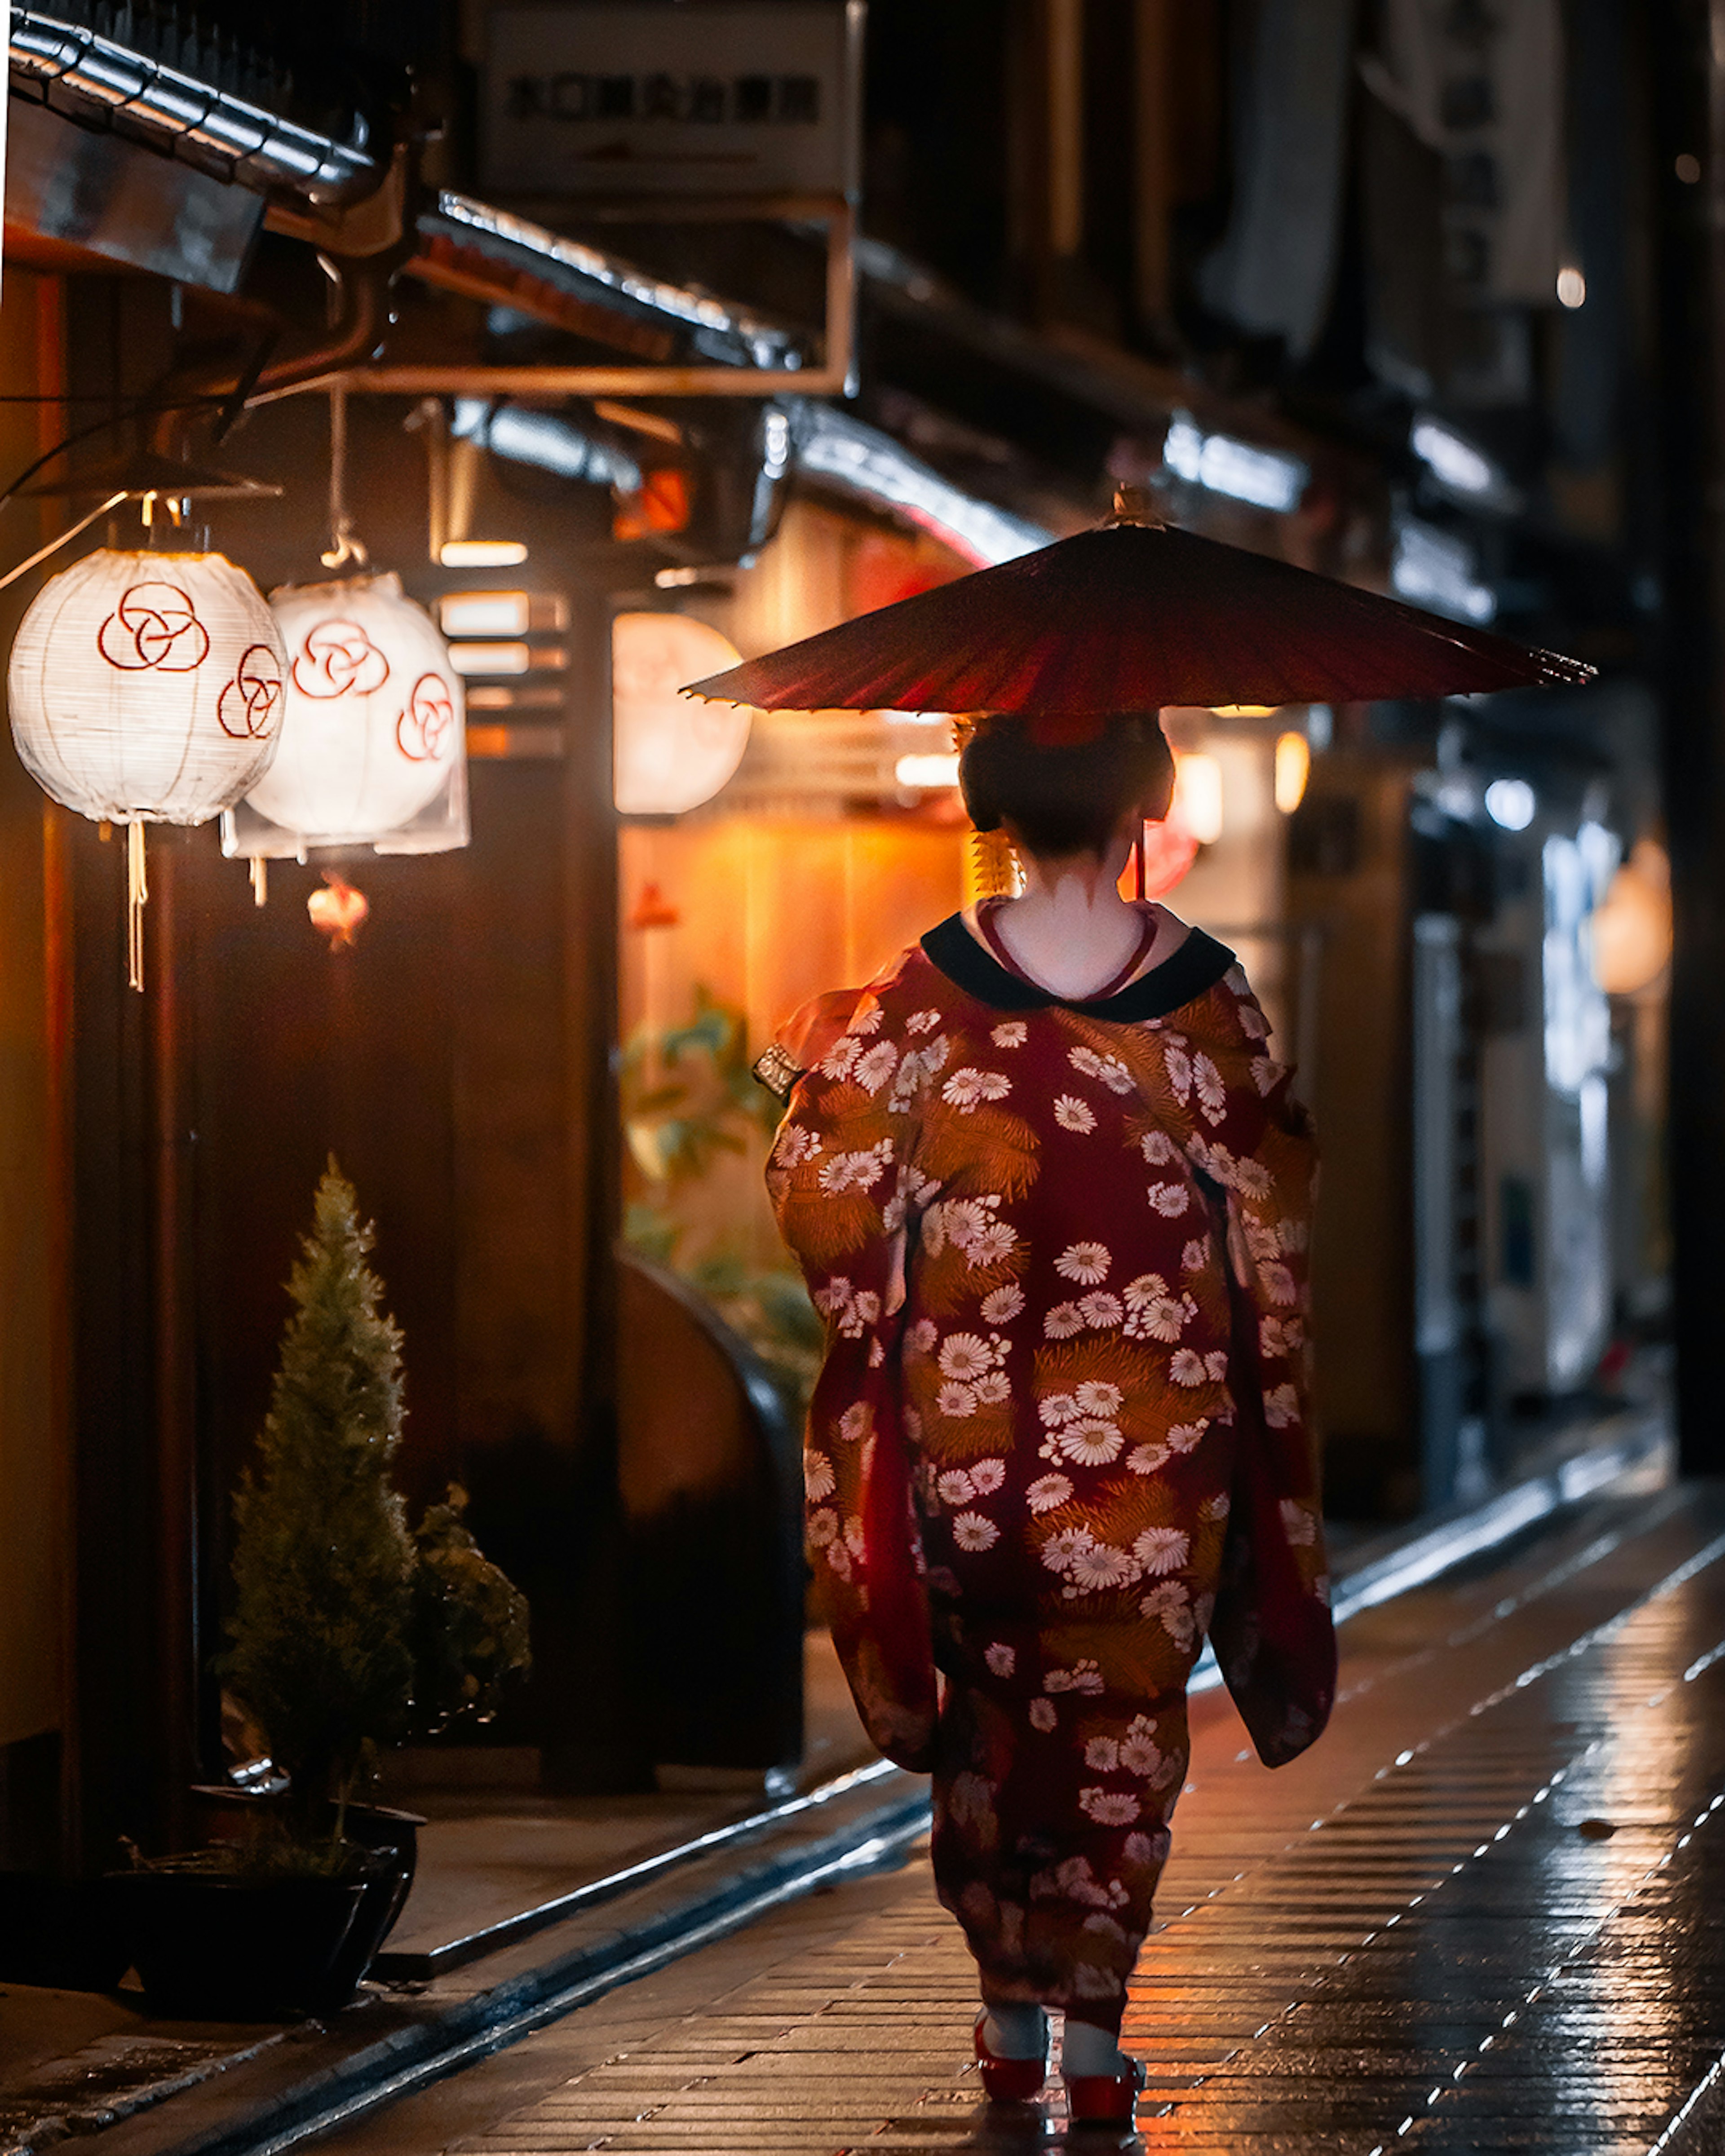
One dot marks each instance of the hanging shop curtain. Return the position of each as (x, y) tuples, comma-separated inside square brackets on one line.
[(1275, 268)]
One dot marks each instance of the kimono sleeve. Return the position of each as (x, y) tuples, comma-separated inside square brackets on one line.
[(1272, 1629), (841, 1177)]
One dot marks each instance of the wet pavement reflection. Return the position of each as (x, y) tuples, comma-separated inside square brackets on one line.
[(1487, 1913)]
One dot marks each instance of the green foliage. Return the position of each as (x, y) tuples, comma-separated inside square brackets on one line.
[(772, 1312), (323, 1561), (689, 1095), (469, 1622), (705, 1099), (654, 1234), (270, 1849), (348, 1631)]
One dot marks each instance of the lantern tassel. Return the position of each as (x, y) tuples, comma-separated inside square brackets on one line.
[(137, 898), (260, 880), (344, 547)]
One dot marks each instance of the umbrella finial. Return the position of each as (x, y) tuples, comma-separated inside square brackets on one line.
[(1131, 506)]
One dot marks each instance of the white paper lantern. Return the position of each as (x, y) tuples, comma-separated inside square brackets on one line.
[(147, 688), (373, 749), (1632, 928), (671, 752)]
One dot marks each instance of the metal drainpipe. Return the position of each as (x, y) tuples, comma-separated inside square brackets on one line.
[(365, 315), (362, 285)]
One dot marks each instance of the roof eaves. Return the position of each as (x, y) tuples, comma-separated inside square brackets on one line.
[(1133, 392), (94, 78), (474, 237), (835, 451)]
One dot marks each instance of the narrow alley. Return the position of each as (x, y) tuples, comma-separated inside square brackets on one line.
[(1475, 1919)]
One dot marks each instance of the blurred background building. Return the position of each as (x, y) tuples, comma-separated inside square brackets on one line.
[(631, 333)]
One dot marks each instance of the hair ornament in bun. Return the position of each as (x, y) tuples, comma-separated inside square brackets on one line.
[(1066, 729)]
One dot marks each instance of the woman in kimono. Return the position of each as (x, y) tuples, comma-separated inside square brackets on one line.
[(1051, 1196)]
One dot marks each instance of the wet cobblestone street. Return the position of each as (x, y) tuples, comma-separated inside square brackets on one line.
[(1486, 1913)]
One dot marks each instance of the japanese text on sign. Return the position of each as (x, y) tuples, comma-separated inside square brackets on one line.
[(733, 98)]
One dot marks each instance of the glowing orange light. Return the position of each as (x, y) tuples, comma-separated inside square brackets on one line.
[(653, 909), (663, 504), (1293, 767), (1632, 930), (338, 912)]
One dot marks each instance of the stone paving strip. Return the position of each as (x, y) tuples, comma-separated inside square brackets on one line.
[(1479, 1916), (111, 2078)]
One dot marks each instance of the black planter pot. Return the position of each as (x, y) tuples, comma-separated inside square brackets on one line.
[(380, 1828), (62, 1933), (208, 1945), (393, 1839)]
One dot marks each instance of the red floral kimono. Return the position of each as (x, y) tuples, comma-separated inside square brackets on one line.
[(1060, 1432)]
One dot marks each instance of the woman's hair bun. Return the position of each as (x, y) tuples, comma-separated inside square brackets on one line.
[(1062, 797)]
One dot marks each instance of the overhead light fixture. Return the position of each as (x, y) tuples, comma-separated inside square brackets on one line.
[(830, 446), (1572, 287), (485, 613), (1197, 796), (490, 658), (1452, 460), (339, 911), (1293, 767), (1266, 478), (1432, 568), (1510, 803), (481, 553), (927, 772)]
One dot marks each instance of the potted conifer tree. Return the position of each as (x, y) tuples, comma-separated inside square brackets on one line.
[(349, 1633)]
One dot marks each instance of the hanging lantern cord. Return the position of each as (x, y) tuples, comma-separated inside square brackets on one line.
[(54, 546), (137, 898), (344, 549)]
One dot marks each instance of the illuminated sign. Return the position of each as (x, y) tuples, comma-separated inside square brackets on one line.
[(736, 97)]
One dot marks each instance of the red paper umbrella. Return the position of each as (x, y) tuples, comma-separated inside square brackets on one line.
[(1133, 617)]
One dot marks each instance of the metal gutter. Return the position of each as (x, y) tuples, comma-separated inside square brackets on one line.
[(460, 229), (1132, 391), (506, 261), (280, 2101), (93, 78), (1416, 1556), (402, 1968), (834, 450)]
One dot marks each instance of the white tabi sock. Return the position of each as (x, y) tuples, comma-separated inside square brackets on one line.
[(1086, 2050), (1016, 2032)]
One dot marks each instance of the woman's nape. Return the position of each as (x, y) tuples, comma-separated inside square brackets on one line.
[(1072, 809), (1069, 930)]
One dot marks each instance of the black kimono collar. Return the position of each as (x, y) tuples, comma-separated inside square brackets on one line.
[(1191, 972)]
